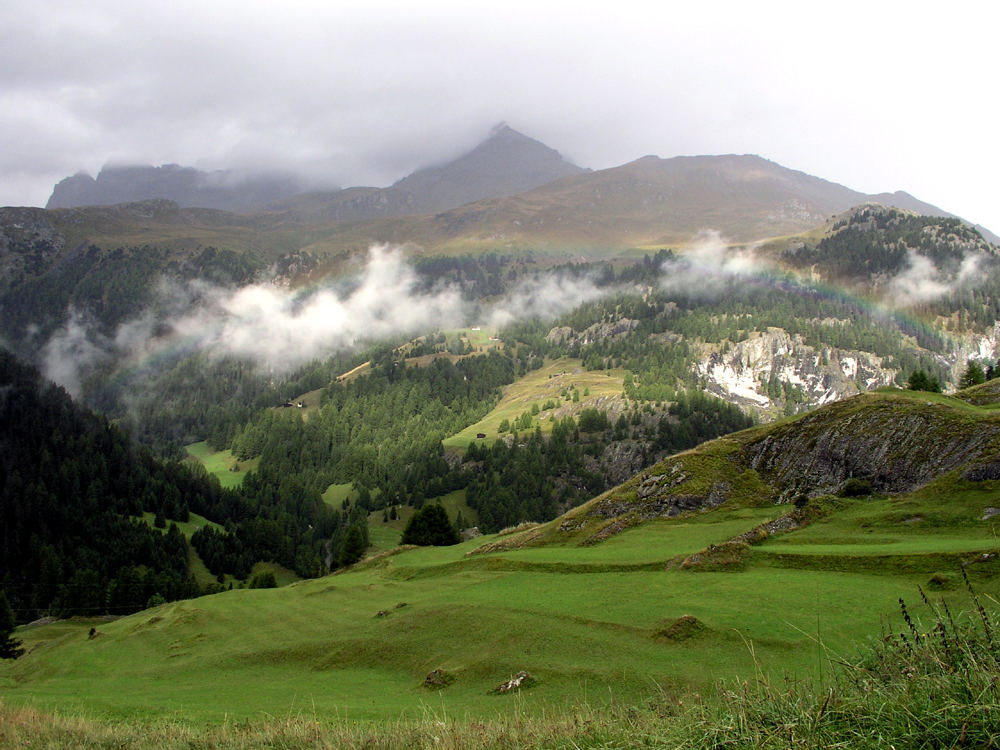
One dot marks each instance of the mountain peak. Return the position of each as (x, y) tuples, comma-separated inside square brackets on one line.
[(506, 163)]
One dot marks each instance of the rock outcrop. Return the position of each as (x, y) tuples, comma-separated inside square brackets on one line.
[(753, 371)]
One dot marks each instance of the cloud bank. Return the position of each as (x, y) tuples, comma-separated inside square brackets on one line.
[(709, 267), (281, 329), (545, 296), (363, 93), (923, 281)]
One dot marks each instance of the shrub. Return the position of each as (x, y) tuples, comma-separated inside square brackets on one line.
[(430, 527), (155, 600), (263, 580), (10, 647), (855, 487)]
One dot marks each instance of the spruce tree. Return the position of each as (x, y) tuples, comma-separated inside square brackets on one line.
[(430, 526), (974, 374), (10, 647), (354, 547)]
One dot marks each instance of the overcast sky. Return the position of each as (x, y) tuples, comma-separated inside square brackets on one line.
[(878, 96)]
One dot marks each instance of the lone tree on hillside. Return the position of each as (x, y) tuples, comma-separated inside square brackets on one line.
[(10, 647), (974, 374), (354, 546), (430, 527), (921, 381)]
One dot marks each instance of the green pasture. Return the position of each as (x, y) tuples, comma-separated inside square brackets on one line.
[(385, 535), (583, 620), (477, 336), (221, 464), (336, 494), (283, 576), (553, 381), (187, 528)]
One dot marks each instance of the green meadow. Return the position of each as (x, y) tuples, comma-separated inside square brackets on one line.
[(221, 464), (553, 383), (648, 617), (385, 535), (592, 624)]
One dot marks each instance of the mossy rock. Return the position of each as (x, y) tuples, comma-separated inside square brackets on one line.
[(520, 681), (940, 581), (681, 629), (437, 679), (731, 555)]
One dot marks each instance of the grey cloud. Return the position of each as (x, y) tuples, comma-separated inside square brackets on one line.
[(280, 329), (73, 352), (545, 296), (922, 281), (354, 93), (708, 266)]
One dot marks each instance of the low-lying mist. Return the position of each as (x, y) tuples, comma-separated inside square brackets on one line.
[(281, 329)]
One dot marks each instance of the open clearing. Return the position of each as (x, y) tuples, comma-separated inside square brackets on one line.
[(554, 382), (221, 464)]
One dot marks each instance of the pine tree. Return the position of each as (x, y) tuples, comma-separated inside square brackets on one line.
[(430, 526), (921, 381), (10, 647), (354, 546), (974, 374)]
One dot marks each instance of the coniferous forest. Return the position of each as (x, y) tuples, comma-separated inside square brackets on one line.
[(94, 502)]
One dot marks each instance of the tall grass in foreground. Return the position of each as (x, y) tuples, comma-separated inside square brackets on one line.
[(934, 682)]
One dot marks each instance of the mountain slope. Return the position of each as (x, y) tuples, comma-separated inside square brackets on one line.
[(186, 186), (653, 201), (510, 191), (891, 441), (504, 164), (71, 487)]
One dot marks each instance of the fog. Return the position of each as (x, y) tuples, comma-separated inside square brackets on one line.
[(708, 267), (364, 93), (922, 281), (281, 329)]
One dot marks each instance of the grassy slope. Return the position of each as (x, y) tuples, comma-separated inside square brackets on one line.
[(221, 463), (581, 619), (385, 535), (539, 386)]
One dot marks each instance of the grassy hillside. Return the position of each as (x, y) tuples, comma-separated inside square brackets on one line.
[(778, 590), (221, 464), (553, 383), (583, 629)]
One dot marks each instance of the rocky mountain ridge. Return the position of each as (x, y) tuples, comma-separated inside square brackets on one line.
[(886, 442), (224, 190), (513, 191), (748, 372), (504, 164)]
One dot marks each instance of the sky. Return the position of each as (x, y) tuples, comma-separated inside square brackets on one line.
[(878, 96)]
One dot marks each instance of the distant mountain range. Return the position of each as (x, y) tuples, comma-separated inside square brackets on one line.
[(186, 186), (512, 191), (506, 163)]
